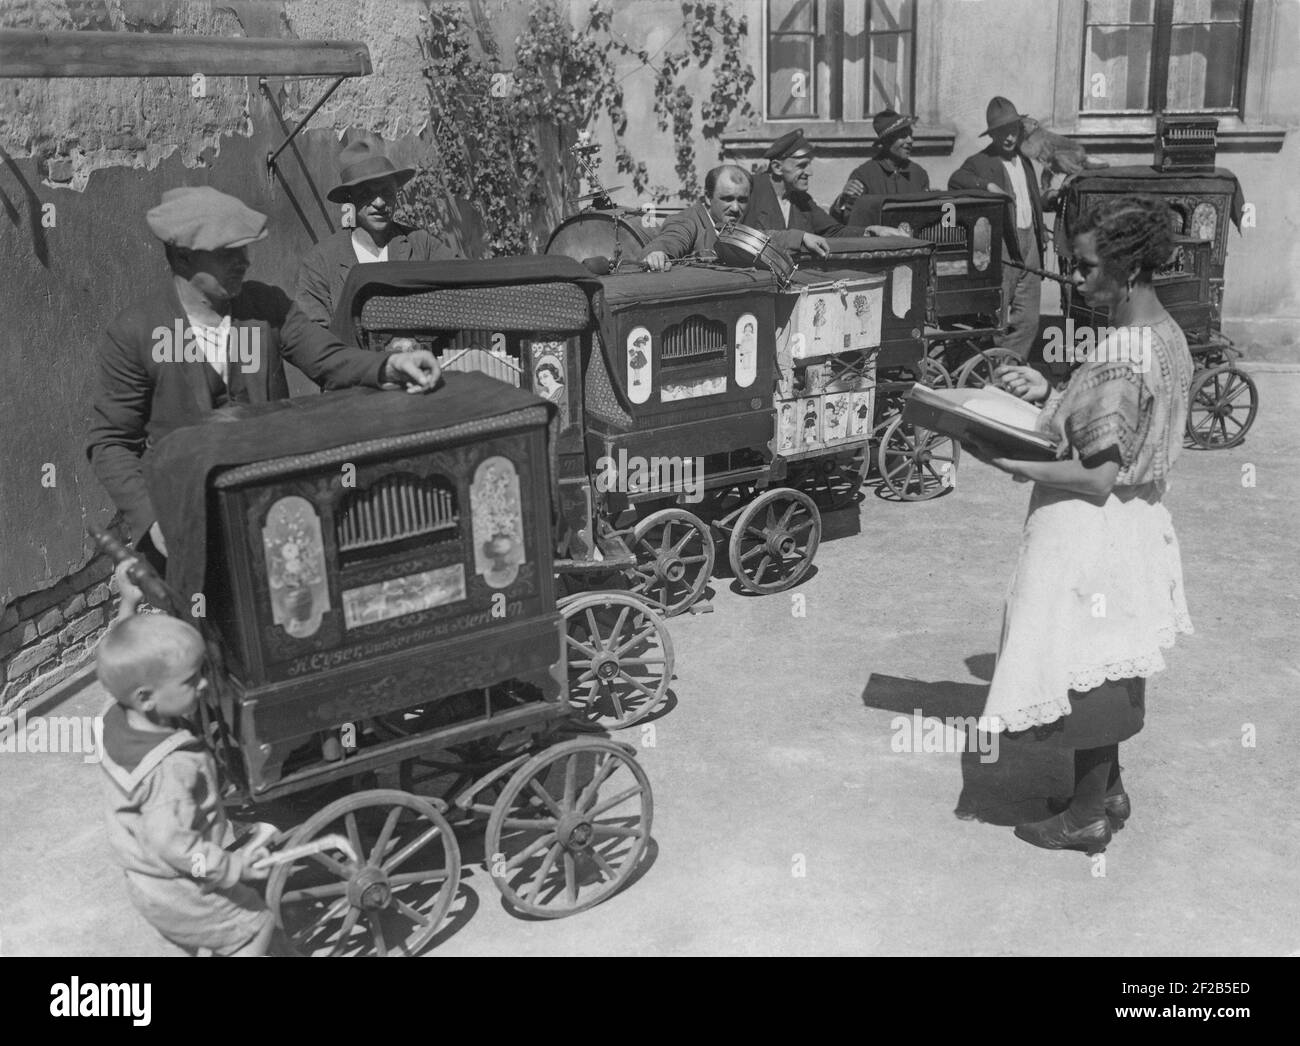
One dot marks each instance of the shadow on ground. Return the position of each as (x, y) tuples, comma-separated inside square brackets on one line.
[(1005, 780)]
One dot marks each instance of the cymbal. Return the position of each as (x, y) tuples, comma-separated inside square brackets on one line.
[(598, 195)]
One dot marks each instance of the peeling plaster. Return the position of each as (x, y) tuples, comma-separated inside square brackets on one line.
[(94, 123)]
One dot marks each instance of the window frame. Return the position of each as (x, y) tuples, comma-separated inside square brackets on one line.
[(846, 67), (1162, 25), (1242, 127)]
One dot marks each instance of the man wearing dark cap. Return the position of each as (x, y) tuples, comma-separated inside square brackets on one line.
[(367, 190), (207, 339), (780, 203), (890, 171), (695, 230), (1001, 168)]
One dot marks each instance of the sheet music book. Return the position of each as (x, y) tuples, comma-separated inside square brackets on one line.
[(994, 416)]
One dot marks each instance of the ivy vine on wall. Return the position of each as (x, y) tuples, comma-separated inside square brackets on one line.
[(503, 137)]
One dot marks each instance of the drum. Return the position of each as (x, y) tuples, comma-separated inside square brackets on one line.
[(594, 234), (743, 247)]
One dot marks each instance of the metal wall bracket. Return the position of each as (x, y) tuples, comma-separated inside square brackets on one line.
[(266, 90)]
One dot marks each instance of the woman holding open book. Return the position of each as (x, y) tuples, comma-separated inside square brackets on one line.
[(1098, 589)]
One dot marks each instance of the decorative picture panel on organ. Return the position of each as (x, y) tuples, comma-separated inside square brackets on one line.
[(837, 315), (295, 566), (639, 351), (835, 417), (746, 350), (498, 522)]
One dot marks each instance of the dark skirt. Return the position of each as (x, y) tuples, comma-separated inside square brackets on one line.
[(1105, 715)]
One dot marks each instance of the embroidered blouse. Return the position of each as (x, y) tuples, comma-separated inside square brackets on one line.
[(1129, 398)]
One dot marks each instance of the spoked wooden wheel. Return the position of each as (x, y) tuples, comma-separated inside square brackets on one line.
[(916, 464), (933, 373), (570, 828), (1222, 405), (389, 904), (978, 371), (674, 551), (774, 540), (620, 657)]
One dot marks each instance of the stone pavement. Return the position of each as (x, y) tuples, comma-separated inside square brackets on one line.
[(777, 760)]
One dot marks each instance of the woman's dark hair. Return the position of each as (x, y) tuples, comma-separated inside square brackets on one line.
[(555, 372), (1132, 231)]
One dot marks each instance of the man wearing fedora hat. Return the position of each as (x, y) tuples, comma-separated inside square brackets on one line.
[(208, 338), (1001, 168), (890, 171), (367, 190)]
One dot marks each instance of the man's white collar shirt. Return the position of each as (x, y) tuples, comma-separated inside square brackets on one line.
[(214, 343), (1024, 207), (365, 254)]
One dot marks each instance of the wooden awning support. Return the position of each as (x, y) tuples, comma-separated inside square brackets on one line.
[(31, 53), (42, 55)]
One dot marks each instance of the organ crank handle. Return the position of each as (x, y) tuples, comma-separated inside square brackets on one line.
[(141, 573)]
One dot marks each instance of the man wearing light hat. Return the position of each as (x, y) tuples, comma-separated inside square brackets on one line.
[(367, 190), (1001, 168), (890, 171), (207, 339)]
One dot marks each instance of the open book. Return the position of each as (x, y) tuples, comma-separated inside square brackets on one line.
[(994, 416)]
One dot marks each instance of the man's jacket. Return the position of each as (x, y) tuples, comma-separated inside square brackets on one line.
[(142, 394), (325, 267), (764, 214), (985, 167)]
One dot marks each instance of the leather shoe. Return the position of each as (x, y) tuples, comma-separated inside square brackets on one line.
[(1118, 809), (1056, 834)]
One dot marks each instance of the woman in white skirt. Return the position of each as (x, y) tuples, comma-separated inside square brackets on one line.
[(1098, 589)]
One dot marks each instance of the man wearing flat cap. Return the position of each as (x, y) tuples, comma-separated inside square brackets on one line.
[(890, 171), (367, 189), (208, 339), (1001, 168)]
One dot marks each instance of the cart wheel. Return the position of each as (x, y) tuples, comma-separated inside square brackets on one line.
[(674, 552), (570, 828), (916, 464), (933, 373), (1221, 407), (620, 657), (977, 371), (393, 902), (774, 540)]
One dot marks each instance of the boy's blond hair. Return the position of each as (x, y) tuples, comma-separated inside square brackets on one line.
[(138, 651)]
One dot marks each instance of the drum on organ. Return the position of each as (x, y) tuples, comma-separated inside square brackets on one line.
[(599, 234)]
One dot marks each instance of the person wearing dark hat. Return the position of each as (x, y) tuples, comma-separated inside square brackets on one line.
[(206, 339), (890, 171), (780, 203), (367, 190), (695, 230), (1001, 168)]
